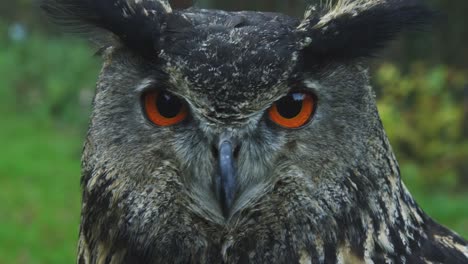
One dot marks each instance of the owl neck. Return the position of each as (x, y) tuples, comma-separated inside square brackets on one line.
[(382, 218)]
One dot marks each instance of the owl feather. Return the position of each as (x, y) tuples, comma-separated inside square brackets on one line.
[(353, 29), (137, 23)]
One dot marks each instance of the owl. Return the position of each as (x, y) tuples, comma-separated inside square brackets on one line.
[(245, 137)]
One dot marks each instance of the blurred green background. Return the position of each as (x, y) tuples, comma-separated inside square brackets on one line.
[(47, 83)]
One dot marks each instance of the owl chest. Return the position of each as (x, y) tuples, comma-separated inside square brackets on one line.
[(260, 247), (252, 242)]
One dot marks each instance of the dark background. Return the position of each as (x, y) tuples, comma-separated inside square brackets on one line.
[(47, 82)]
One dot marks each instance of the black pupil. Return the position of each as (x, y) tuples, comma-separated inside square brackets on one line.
[(291, 105), (168, 105)]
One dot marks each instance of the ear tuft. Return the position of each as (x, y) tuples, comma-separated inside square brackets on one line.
[(137, 23), (354, 29)]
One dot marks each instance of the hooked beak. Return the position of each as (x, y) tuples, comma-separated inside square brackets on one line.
[(226, 178)]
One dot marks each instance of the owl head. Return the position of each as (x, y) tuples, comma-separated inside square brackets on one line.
[(216, 113)]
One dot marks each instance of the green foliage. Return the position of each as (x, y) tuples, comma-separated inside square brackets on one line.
[(423, 113), (45, 93), (46, 77)]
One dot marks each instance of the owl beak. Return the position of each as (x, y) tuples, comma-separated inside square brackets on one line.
[(226, 180)]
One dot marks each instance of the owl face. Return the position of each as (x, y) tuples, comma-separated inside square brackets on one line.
[(226, 145), (224, 110)]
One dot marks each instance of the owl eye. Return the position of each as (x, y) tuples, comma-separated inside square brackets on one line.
[(164, 109), (294, 110)]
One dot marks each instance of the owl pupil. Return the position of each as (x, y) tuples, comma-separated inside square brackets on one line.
[(290, 106), (168, 105)]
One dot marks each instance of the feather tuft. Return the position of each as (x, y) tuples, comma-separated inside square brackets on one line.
[(137, 23), (353, 29)]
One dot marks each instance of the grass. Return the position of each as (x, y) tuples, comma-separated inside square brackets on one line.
[(39, 190)]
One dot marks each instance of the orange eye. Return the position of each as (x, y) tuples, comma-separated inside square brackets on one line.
[(293, 111), (164, 108)]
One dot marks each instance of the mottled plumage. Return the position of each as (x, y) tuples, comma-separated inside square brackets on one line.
[(327, 192)]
